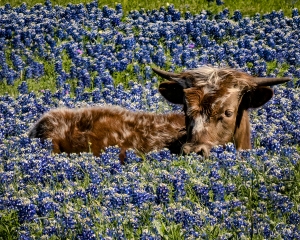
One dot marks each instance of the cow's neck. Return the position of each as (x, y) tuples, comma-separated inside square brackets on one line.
[(156, 131), (175, 146)]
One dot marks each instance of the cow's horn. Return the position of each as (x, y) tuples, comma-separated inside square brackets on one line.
[(260, 81), (165, 74)]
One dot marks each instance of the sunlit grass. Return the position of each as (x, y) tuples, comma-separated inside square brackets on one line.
[(246, 7)]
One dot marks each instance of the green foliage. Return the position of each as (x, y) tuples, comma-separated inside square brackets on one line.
[(47, 81), (125, 76), (170, 231), (9, 225), (249, 7), (276, 66), (148, 171)]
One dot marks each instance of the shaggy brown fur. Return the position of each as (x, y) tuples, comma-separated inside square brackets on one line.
[(215, 103), (93, 129)]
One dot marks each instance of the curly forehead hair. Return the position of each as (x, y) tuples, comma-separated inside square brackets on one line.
[(215, 78)]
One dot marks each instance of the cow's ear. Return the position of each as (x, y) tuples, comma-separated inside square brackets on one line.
[(257, 97), (172, 91)]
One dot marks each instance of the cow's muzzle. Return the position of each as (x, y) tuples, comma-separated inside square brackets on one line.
[(201, 149)]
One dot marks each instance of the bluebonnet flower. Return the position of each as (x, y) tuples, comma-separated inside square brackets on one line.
[(146, 235), (202, 191), (140, 196), (214, 175), (179, 188), (218, 190), (23, 88), (69, 222), (295, 12), (230, 188), (184, 216), (106, 78), (143, 38), (159, 58), (97, 83), (131, 156), (148, 72), (60, 81), (26, 211), (96, 95), (219, 2), (25, 235), (87, 233), (50, 230), (263, 191), (162, 194), (17, 61), (46, 206)]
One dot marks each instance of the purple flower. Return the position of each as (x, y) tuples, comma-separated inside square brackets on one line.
[(191, 45), (79, 51)]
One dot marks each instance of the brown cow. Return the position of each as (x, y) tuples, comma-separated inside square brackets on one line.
[(215, 103), (94, 128)]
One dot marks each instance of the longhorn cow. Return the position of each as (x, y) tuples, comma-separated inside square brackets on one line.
[(215, 103)]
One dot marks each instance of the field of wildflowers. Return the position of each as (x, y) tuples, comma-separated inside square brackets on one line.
[(82, 55)]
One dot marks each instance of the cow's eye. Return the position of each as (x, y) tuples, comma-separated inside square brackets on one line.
[(228, 113)]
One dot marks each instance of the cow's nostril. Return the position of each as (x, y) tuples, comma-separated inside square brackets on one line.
[(201, 152), (186, 148)]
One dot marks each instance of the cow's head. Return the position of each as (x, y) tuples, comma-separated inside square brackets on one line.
[(214, 103)]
